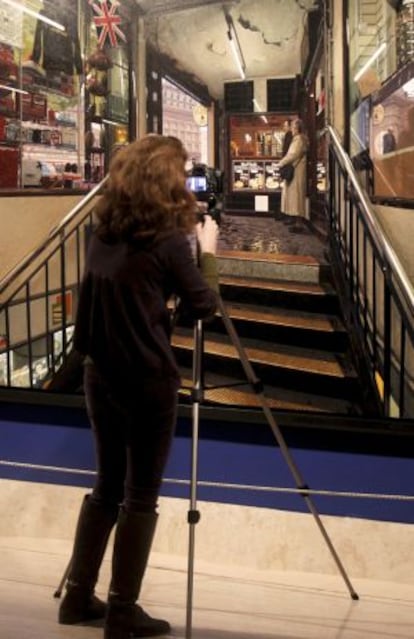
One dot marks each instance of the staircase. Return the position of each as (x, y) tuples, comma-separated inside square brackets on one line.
[(287, 317)]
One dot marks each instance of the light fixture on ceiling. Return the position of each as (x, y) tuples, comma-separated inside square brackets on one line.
[(370, 61), (235, 46), (259, 108), (21, 7)]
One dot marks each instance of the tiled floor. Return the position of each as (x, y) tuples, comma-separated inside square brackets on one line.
[(228, 603), (266, 235)]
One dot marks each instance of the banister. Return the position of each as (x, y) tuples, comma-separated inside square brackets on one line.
[(382, 244), (53, 233)]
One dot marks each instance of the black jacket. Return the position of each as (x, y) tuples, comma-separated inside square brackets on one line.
[(287, 139), (123, 322)]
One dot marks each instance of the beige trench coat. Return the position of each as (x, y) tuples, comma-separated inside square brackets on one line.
[(294, 194)]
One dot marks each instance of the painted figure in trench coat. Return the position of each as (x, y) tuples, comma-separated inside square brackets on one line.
[(293, 203)]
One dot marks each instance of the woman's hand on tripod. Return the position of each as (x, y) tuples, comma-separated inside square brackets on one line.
[(207, 235)]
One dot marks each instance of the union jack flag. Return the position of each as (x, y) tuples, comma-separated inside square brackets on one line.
[(106, 21)]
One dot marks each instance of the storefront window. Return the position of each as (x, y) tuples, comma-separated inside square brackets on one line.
[(185, 118), (15, 367), (381, 56), (372, 46), (64, 92)]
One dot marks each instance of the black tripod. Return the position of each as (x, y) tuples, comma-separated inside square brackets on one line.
[(197, 398)]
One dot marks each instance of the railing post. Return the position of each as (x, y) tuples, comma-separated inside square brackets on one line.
[(387, 347)]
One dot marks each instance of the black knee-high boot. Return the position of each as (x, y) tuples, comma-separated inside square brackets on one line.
[(94, 526), (133, 540)]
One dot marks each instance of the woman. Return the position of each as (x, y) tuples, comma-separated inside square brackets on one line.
[(293, 201), (138, 257)]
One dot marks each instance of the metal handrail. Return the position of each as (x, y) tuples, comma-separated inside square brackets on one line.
[(377, 294), (381, 243), (53, 233)]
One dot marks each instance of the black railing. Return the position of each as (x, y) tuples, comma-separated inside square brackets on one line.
[(38, 298), (379, 297)]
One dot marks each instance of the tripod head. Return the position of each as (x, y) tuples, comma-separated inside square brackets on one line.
[(206, 184), (210, 206)]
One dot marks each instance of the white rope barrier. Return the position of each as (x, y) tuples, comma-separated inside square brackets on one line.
[(226, 485), (302, 491), (55, 469)]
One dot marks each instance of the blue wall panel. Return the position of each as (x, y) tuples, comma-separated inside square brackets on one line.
[(59, 440)]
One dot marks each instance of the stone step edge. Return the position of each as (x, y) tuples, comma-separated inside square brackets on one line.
[(273, 258), (267, 266), (277, 285)]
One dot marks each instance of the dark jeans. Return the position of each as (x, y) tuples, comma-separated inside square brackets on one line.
[(133, 436)]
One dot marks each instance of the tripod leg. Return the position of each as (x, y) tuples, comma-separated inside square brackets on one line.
[(61, 585), (300, 484), (193, 516)]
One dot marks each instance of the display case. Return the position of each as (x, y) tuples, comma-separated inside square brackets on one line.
[(392, 137), (256, 142), (64, 93), (51, 154)]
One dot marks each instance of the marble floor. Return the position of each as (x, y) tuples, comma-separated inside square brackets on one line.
[(228, 603)]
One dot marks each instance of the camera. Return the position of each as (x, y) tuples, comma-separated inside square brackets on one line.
[(207, 185)]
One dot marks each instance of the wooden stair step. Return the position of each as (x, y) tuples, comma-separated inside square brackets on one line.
[(280, 293), (311, 288), (292, 358), (285, 317), (221, 391)]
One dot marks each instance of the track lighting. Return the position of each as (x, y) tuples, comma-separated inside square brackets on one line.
[(368, 63), (235, 46), (259, 108), (35, 14)]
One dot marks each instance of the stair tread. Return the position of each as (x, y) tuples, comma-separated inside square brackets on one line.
[(288, 357), (285, 317), (278, 285), (275, 258), (279, 399)]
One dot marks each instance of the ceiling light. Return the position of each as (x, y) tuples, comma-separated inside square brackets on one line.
[(259, 108), (235, 45), (34, 14), (236, 56), (368, 63)]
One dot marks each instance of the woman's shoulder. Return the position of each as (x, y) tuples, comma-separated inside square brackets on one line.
[(167, 244), (172, 236)]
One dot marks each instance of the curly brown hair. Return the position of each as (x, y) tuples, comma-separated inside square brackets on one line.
[(146, 191)]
